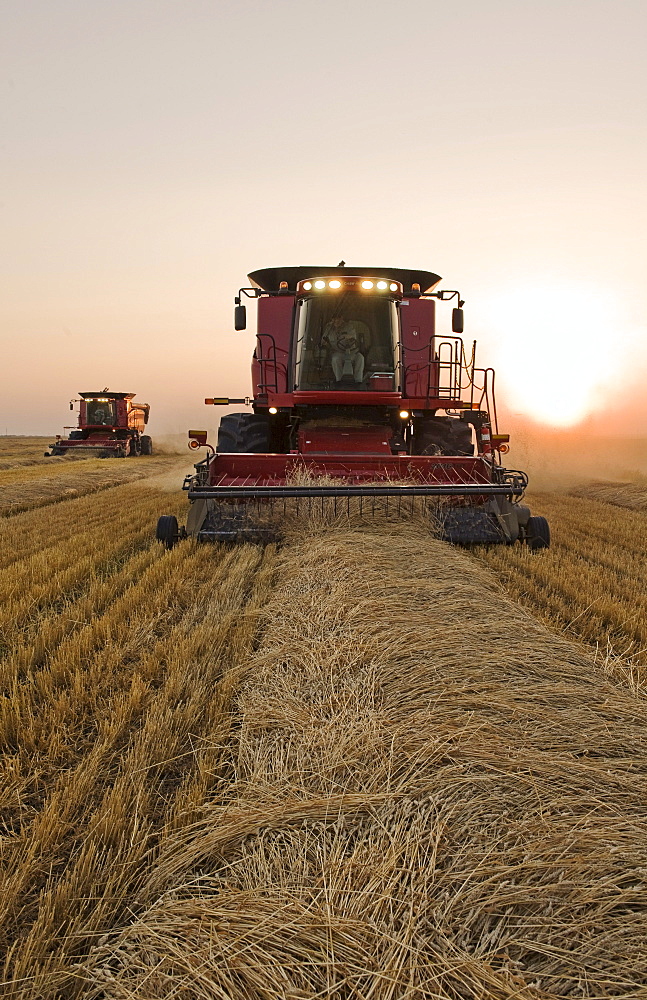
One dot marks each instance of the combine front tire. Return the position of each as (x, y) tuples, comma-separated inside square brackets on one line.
[(244, 432), (146, 445), (167, 530), (537, 533)]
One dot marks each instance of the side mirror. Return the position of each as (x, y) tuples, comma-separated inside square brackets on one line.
[(457, 320), (71, 406), (240, 318)]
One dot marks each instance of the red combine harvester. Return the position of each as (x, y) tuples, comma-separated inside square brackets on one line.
[(109, 425), (355, 396)]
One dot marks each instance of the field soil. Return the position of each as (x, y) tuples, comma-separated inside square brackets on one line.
[(359, 764)]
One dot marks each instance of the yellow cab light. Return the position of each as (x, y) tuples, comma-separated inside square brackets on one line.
[(381, 285), (404, 414), (367, 284), (393, 286), (273, 409), (320, 284), (334, 284), (307, 285)]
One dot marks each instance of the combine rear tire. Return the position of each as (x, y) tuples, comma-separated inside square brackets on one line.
[(167, 530), (537, 533), (146, 445), (244, 432), (442, 436)]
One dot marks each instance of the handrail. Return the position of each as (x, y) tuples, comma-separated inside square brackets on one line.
[(271, 359), (439, 363)]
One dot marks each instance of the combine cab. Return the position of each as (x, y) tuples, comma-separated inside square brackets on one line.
[(110, 424), (356, 401)]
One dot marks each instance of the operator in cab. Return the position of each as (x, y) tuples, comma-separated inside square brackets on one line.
[(348, 340)]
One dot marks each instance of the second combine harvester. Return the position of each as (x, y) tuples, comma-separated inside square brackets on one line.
[(355, 396)]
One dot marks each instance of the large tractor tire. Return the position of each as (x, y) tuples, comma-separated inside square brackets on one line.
[(243, 432), (442, 436), (537, 533), (146, 445)]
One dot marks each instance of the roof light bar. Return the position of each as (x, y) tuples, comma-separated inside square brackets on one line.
[(351, 283)]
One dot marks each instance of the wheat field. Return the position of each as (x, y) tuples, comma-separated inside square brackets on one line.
[(591, 583), (29, 480), (362, 764)]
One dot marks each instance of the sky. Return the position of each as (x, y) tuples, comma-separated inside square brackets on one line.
[(154, 152)]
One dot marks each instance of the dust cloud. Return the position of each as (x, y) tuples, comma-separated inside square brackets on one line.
[(171, 444), (559, 459)]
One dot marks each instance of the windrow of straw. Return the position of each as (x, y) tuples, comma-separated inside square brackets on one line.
[(429, 795), (630, 495)]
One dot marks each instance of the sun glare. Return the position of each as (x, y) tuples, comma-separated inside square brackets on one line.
[(557, 350)]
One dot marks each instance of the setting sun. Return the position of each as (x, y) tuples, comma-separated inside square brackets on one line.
[(558, 349)]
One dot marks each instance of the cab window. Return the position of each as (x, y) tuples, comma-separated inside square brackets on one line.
[(346, 341)]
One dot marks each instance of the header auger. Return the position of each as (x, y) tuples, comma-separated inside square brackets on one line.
[(356, 401), (109, 425)]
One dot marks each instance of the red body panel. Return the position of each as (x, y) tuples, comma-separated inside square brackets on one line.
[(276, 470), (354, 440), (417, 327), (273, 345), (344, 397)]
